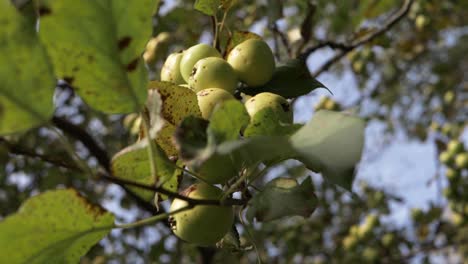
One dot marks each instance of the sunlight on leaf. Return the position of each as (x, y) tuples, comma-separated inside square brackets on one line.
[(26, 79), (96, 47), (208, 7), (53, 227), (132, 163), (331, 143), (227, 121)]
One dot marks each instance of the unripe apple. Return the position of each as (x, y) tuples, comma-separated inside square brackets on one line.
[(203, 225), (273, 101), (454, 146), (209, 98), (452, 174), (461, 160), (350, 242), (253, 62), (446, 158), (388, 239), (213, 72), (193, 55), (170, 71)]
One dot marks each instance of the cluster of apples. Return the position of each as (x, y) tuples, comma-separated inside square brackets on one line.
[(215, 80), (455, 158)]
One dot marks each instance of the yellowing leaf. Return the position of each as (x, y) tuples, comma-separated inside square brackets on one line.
[(53, 227), (96, 47), (26, 80)]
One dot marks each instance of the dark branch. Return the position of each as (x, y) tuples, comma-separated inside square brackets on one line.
[(84, 137), (161, 190), (284, 40), (344, 48), (20, 150)]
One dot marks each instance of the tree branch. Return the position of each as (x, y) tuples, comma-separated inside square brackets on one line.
[(346, 48), (20, 150), (161, 190), (84, 137)]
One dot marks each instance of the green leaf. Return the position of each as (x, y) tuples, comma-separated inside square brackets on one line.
[(191, 137), (178, 103), (132, 163), (26, 78), (290, 80), (331, 143), (227, 121), (96, 47), (266, 123), (53, 227), (283, 197), (237, 38), (208, 7)]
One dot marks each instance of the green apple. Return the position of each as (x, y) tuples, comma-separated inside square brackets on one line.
[(213, 72), (253, 62), (275, 102), (461, 160), (193, 55), (446, 158), (454, 146), (452, 174), (170, 71), (350, 242), (209, 98), (203, 225)]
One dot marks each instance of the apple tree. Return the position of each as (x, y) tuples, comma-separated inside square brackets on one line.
[(164, 131)]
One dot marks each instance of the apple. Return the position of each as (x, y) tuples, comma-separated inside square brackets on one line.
[(203, 225), (209, 98), (461, 160), (253, 62), (213, 72), (193, 55), (446, 158), (454, 146), (170, 71), (275, 102)]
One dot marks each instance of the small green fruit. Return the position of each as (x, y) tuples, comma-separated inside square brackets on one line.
[(170, 71), (253, 62), (213, 73), (388, 239), (371, 255), (350, 242), (273, 101), (454, 146), (203, 225), (446, 158), (452, 174), (209, 98), (461, 160), (193, 55)]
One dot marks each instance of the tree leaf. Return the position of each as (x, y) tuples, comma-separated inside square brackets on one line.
[(290, 80), (132, 163), (96, 47), (53, 227), (265, 123), (283, 197), (178, 103), (26, 77), (331, 143), (208, 7), (227, 121), (237, 38)]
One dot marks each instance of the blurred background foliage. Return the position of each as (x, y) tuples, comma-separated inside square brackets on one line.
[(412, 78)]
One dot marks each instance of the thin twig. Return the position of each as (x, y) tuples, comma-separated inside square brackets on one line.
[(20, 150), (84, 137), (161, 190), (345, 49)]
